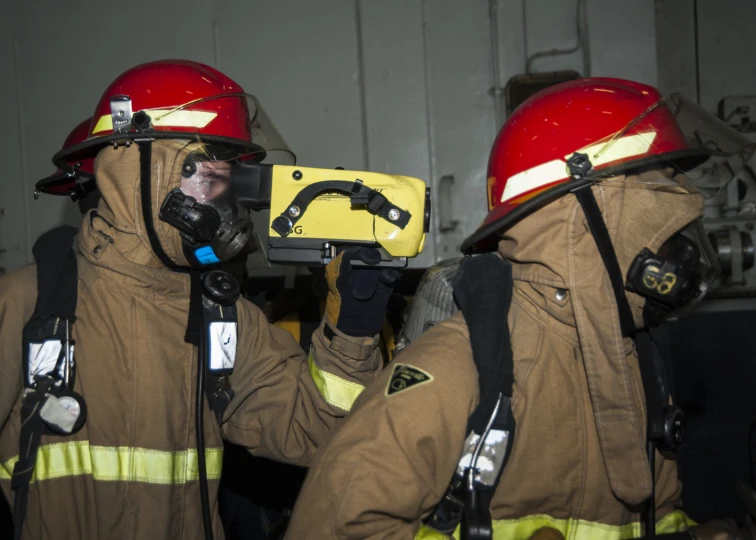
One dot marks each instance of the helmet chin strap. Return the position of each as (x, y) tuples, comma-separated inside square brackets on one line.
[(664, 421), (600, 233), (145, 185), (194, 330)]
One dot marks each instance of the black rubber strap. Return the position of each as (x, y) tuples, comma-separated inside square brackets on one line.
[(655, 387), (309, 321), (489, 335), (328, 332), (29, 441), (375, 203), (57, 287), (145, 174), (477, 523), (603, 241), (56, 274), (486, 318)]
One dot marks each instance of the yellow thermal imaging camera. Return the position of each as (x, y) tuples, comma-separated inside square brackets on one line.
[(317, 213)]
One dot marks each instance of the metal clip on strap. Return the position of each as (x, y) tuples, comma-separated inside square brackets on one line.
[(476, 520)]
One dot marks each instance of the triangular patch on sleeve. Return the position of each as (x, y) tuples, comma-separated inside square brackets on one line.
[(405, 377)]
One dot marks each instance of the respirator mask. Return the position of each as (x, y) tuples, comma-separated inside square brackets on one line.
[(213, 226), (676, 278)]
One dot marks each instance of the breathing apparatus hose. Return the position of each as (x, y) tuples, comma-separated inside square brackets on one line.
[(650, 517), (207, 518)]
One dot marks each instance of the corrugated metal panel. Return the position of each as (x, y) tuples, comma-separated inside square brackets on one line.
[(300, 59), (458, 56), (553, 25), (13, 238), (726, 49), (510, 20), (676, 47), (622, 37), (396, 111)]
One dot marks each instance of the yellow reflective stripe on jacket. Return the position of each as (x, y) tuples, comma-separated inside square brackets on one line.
[(118, 464), (336, 391), (524, 528)]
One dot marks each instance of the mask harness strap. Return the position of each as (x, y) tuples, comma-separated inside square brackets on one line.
[(664, 421)]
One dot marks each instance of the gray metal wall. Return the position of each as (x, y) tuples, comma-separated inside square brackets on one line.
[(399, 86), (707, 48)]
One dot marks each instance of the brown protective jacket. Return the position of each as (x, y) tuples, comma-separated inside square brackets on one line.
[(131, 472), (578, 463)]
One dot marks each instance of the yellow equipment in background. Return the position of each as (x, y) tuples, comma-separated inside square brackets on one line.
[(316, 213)]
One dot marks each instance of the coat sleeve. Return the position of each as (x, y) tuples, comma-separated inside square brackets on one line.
[(392, 460), (287, 401), (18, 294)]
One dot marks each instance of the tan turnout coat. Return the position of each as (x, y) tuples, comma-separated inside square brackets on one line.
[(131, 472)]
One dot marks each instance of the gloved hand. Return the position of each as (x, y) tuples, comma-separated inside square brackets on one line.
[(358, 295)]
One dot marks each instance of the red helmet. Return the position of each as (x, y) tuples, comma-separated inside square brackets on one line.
[(620, 126), (179, 99), (77, 180)]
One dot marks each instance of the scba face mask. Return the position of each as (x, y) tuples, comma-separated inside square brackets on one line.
[(213, 227), (677, 278)]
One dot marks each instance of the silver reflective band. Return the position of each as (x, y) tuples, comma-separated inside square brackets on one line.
[(491, 456), (60, 412), (222, 337), (44, 356)]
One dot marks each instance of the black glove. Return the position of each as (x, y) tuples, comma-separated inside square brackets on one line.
[(358, 295)]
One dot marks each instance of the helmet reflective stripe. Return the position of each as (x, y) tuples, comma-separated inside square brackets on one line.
[(556, 170), (622, 148), (162, 118), (539, 176)]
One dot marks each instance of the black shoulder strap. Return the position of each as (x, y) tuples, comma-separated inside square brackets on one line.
[(483, 290), (57, 287), (56, 273), (57, 291)]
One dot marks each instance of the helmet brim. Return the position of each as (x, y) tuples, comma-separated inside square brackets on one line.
[(63, 158)]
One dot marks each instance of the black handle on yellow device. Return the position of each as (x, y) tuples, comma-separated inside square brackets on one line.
[(374, 201)]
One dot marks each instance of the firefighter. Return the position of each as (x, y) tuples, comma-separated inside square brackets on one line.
[(103, 354), (539, 409)]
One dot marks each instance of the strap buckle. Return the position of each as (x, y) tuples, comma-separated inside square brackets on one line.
[(476, 520)]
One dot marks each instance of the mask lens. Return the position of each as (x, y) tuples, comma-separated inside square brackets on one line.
[(210, 184), (681, 249)]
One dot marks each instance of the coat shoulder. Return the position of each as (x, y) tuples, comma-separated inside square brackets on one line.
[(444, 352), (19, 286)]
